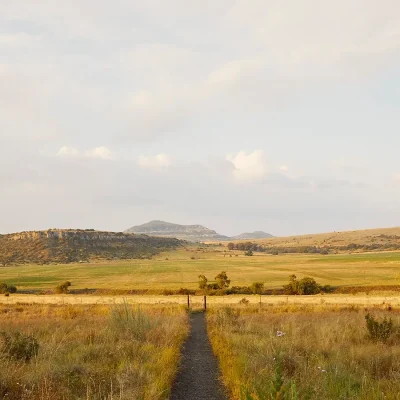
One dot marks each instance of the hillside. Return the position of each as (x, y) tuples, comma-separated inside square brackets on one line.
[(65, 246), (360, 240), (252, 235), (192, 233)]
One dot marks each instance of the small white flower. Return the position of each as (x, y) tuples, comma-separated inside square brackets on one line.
[(280, 333)]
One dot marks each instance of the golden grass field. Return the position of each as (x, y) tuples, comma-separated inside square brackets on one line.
[(177, 269), (374, 299), (90, 352), (322, 353)]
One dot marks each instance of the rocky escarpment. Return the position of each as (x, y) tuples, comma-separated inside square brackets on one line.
[(67, 245)]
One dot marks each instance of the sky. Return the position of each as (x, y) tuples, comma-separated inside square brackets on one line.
[(274, 115)]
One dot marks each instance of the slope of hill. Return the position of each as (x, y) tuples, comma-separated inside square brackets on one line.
[(360, 240), (193, 233), (252, 235), (64, 246)]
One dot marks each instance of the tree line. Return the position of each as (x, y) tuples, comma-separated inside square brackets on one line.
[(249, 247)]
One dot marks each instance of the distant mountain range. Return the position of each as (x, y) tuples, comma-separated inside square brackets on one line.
[(192, 233)]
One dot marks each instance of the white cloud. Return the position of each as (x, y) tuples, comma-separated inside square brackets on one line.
[(284, 168), (158, 161), (67, 151), (248, 166), (100, 152)]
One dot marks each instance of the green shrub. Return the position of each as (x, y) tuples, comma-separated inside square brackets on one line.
[(6, 289), (379, 331), (305, 286), (18, 346)]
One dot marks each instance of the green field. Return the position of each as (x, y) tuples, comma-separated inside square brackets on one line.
[(178, 269)]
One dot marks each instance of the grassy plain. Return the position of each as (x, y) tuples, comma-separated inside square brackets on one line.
[(90, 352), (322, 353), (336, 239), (181, 268)]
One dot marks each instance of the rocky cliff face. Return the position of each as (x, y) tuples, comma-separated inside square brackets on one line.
[(65, 246), (65, 234)]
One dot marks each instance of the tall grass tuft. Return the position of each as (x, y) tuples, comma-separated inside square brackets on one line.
[(130, 321)]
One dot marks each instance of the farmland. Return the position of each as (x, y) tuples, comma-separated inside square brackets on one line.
[(180, 268)]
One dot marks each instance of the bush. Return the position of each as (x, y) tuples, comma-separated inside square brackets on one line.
[(63, 288), (244, 301), (240, 290), (305, 286), (185, 291), (257, 287), (379, 331), (18, 346), (248, 253), (7, 289), (327, 289)]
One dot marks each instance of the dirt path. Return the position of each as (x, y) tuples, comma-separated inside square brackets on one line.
[(198, 376)]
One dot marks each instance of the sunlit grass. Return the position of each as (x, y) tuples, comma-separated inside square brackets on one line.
[(323, 353), (177, 269), (93, 352)]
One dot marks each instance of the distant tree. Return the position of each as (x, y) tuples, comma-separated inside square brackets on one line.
[(309, 286), (231, 246), (248, 253), (202, 282), (257, 287), (305, 286), (222, 280)]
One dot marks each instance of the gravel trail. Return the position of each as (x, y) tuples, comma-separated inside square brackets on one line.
[(198, 375)]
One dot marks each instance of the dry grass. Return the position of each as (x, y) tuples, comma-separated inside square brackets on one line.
[(377, 299), (364, 237), (93, 352), (324, 354)]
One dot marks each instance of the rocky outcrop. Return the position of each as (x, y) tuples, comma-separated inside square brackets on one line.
[(193, 233), (68, 245)]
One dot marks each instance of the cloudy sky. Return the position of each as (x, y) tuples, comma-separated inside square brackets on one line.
[(275, 115)]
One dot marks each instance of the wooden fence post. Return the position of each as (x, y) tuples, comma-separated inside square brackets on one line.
[(188, 301), (205, 303)]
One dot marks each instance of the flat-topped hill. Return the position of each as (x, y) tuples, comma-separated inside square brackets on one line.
[(69, 245), (192, 233)]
